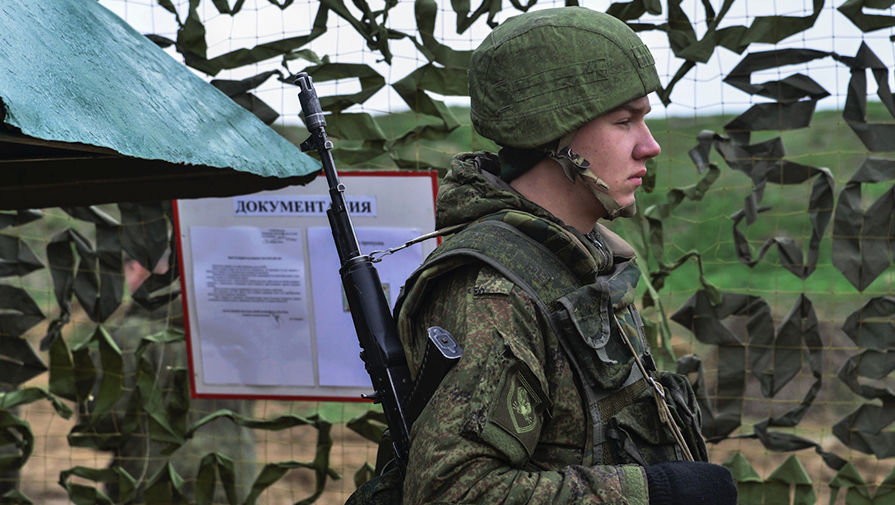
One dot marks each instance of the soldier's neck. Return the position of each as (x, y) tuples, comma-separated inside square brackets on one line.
[(572, 202)]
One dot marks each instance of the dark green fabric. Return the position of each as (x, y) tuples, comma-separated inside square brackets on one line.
[(15, 432), (861, 248), (774, 359), (97, 281), (788, 483), (20, 311), (20, 362), (384, 489), (20, 217), (680, 30), (238, 91), (125, 403), (581, 299), (16, 257), (857, 490), (141, 406), (571, 65), (863, 240), (459, 439), (854, 11), (872, 326)]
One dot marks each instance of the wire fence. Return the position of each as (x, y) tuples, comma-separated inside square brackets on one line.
[(765, 230)]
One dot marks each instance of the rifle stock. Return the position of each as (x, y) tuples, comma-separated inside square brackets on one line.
[(382, 353)]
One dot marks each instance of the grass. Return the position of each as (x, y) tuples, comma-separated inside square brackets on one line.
[(705, 226)]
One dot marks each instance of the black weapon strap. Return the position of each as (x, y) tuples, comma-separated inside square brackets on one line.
[(441, 354)]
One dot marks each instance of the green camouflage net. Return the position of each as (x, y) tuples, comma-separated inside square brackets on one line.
[(793, 367)]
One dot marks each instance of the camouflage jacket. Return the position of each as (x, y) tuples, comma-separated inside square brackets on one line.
[(508, 423)]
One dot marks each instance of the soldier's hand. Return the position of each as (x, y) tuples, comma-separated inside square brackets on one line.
[(690, 483)]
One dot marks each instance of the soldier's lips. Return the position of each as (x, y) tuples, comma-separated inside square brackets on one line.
[(637, 179)]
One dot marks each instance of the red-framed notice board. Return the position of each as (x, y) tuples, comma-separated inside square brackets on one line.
[(265, 314)]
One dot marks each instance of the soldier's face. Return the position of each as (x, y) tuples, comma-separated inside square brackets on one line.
[(617, 145)]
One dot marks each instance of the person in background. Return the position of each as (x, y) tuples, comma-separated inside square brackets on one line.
[(136, 453)]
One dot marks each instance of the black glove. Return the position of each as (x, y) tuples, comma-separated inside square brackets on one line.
[(690, 483)]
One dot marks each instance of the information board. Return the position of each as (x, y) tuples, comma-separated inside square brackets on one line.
[(265, 313)]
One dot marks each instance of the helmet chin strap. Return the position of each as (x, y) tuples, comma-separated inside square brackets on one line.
[(600, 191), (575, 166)]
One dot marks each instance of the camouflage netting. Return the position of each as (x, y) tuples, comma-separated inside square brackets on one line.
[(789, 352)]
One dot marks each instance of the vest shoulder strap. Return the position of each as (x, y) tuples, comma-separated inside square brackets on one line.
[(527, 263), (580, 312), (542, 274)]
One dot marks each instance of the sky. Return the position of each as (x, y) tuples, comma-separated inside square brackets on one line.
[(700, 92)]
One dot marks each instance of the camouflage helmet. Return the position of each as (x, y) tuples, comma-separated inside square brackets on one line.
[(544, 74)]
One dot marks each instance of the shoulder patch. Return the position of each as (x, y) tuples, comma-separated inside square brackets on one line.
[(519, 413), (489, 282)]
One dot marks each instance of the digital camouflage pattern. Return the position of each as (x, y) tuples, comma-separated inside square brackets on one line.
[(382, 489), (507, 424), (541, 75), (463, 450)]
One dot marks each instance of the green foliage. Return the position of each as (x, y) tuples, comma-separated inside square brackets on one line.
[(113, 368), (705, 225), (822, 247)]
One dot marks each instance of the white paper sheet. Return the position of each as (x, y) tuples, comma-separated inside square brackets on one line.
[(337, 349), (251, 294)]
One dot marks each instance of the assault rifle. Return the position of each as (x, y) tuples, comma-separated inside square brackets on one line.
[(382, 353)]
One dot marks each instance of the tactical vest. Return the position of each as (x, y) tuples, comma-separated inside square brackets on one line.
[(587, 311)]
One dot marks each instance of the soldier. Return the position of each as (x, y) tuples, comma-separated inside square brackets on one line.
[(556, 398)]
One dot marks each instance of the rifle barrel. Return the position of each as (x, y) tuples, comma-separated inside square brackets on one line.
[(382, 353)]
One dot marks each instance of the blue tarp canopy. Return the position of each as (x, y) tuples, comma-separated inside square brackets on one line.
[(93, 112)]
